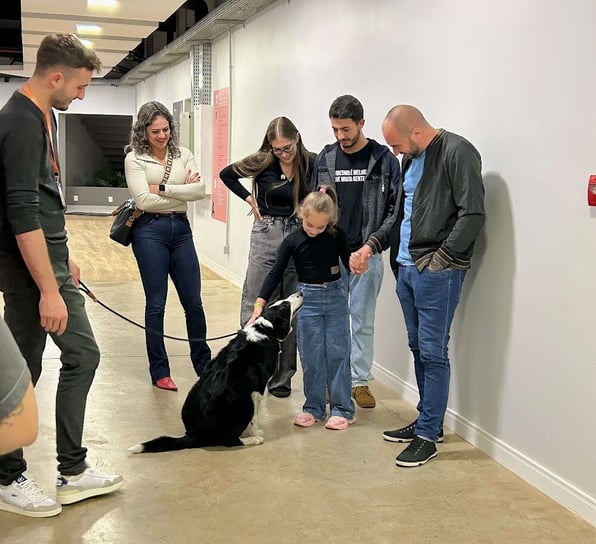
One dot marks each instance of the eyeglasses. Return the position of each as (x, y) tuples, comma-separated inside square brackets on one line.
[(286, 149)]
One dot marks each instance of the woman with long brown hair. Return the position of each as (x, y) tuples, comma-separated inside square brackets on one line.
[(280, 170)]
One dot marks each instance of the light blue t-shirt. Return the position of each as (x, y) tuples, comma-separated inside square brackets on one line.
[(411, 180)]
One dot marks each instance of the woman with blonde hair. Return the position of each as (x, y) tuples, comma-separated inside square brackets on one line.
[(280, 170)]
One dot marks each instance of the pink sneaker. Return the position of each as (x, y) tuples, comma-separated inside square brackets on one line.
[(338, 423), (305, 420)]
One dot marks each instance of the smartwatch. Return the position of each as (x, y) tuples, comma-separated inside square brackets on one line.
[(162, 187)]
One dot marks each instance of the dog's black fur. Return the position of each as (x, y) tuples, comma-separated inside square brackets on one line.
[(225, 400)]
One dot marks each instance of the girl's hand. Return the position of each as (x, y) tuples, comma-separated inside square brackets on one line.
[(192, 177), (257, 311), (358, 263)]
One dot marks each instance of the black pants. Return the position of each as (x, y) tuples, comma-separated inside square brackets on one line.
[(79, 357)]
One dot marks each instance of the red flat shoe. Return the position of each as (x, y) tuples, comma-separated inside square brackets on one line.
[(166, 383)]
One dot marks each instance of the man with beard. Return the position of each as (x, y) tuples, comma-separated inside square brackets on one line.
[(37, 276), (440, 213), (364, 174)]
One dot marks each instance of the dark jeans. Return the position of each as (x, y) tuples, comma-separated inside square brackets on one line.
[(79, 356), (163, 245), (265, 239)]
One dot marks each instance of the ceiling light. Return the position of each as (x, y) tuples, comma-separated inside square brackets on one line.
[(88, 29), (102, 3)]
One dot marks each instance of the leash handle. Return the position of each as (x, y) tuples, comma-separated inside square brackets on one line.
[(91, 295)]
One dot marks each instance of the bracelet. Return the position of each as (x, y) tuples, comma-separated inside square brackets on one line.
[(259, 304)]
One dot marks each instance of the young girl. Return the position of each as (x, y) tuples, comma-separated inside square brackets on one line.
[(323, 321)]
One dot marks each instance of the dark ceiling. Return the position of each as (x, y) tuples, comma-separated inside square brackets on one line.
[(11, 41)]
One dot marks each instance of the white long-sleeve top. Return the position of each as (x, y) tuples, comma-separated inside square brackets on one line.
[(144, 170)]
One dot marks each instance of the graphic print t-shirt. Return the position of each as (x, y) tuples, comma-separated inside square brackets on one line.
[(350, 174)]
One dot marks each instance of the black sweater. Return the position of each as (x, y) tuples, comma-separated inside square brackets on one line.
[(29, 197), (316, 259), (275, 193)]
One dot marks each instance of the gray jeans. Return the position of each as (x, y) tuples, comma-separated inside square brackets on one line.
[(79, 357), (265, 239)]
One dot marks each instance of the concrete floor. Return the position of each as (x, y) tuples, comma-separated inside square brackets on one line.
[(301, 486)]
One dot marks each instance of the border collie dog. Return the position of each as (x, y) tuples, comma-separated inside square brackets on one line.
[(225, 400)]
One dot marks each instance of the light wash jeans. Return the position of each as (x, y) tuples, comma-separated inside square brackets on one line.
[(324, 345), (363, 291), (265, 239), (428, 301)]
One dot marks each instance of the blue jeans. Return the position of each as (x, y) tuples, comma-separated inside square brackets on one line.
[(163, 246), (324, 345), (428, 301), (363, 291), (265, 239)]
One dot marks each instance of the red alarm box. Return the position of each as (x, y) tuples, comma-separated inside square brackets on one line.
[(592, 191)]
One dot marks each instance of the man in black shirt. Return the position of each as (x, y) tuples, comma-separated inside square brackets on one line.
[(38, 278), (364, 174)]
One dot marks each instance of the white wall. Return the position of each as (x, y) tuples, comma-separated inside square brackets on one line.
[(516, 79)]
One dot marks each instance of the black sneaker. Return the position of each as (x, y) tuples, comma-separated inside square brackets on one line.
[(280, 392), (418, 452), (406, 434)]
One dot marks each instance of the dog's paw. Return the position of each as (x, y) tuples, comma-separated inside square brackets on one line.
[(252, 440)]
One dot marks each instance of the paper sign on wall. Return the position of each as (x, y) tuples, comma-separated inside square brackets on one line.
[(221, 123)]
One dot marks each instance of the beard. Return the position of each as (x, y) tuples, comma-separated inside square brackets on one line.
[(349, 143)]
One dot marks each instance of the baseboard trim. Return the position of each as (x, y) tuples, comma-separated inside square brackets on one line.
[(541, 478), (222, 271)]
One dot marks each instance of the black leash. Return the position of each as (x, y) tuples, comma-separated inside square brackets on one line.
[(92, 296)]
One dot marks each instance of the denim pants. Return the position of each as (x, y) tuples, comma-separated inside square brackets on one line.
[(428, 301), (363, 291), (163, 245), (324, 345), (79, 355), (265, 239)]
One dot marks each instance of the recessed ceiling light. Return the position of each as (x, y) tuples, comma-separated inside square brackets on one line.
[(102, 3), (88, 29)]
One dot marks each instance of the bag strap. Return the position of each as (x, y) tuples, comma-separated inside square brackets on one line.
[(166, 174)]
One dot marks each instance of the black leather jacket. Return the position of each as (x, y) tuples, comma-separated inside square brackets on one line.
[(448, 208)]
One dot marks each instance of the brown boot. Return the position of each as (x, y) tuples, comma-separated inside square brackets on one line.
[(363, 397)]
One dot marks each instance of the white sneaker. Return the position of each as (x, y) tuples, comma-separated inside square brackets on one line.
[(90, 483), (24, 496)]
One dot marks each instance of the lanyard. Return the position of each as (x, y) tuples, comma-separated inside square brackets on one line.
[(55, 168)]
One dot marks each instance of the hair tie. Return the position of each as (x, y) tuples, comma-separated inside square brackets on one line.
[(323, 190)]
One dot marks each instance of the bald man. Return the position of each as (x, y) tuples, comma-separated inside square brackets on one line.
[(440, 212)]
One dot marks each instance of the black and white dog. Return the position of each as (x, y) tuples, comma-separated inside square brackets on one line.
[(225, 401)]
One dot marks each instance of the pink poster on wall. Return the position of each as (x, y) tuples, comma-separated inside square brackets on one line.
[(221, 123)]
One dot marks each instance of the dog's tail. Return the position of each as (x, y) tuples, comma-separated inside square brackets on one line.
[(165, 443)]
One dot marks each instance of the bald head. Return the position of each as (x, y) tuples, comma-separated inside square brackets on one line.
[(406, 118), (406, 130)]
